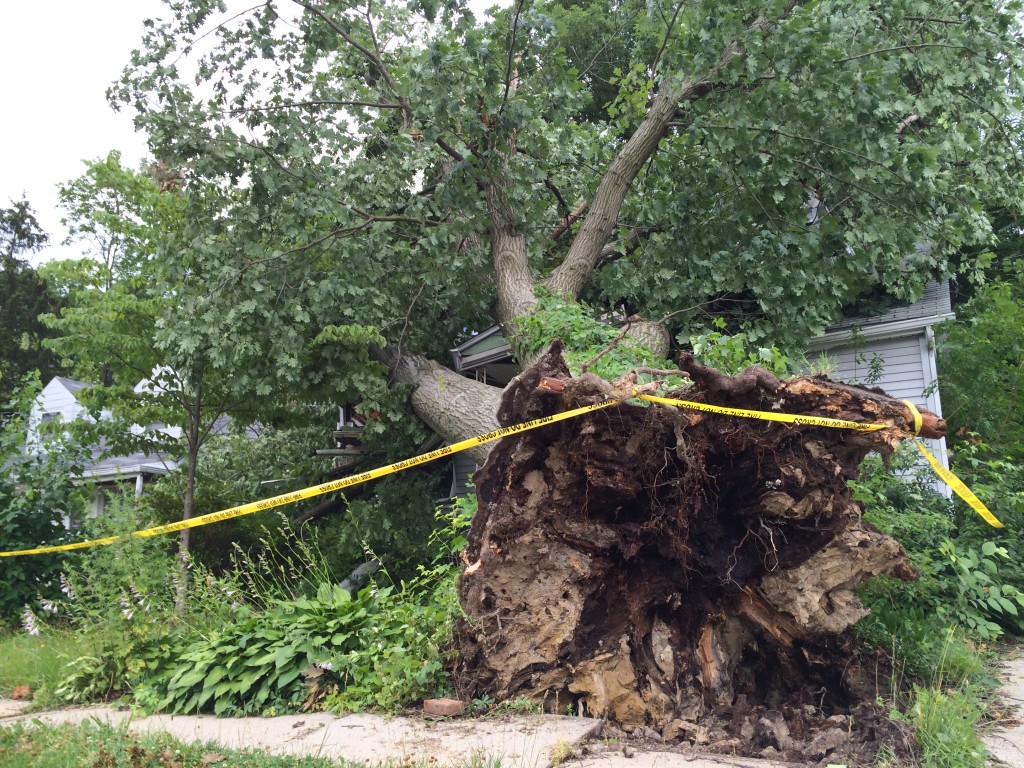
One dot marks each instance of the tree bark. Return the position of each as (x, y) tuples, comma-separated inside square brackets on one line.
[(454, 406), (188, 503), (651, 565), (572, 274), (512, 274)]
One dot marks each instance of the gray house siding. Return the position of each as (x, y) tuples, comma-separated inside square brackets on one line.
[(463, 468), (903, 342)]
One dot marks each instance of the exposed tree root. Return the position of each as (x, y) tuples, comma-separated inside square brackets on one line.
[(652, 565)]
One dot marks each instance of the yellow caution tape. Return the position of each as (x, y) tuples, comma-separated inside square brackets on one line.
[(336, 485), (785, 418), (319, 490), (948, 477), (959, 488), (918, 421)]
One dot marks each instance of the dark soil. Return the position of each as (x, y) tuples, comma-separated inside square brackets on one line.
[(681, 574)]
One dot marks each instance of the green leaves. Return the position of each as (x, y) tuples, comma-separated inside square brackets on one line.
[(36, 495), (383, 648), (254, 664)]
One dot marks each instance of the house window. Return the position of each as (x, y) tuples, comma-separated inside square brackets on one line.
[(48, 417)]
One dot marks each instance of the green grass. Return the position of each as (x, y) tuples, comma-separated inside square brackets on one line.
[(97, 745), (38, 661), (945, 723)]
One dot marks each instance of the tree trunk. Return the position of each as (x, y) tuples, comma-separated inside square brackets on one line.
[(188, 503), (454, 406), (653, 565)]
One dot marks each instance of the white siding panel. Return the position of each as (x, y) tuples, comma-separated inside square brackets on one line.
[(908, 373), (55, 399), (902, 371)]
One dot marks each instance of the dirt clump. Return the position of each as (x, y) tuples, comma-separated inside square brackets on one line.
[(684, 572)]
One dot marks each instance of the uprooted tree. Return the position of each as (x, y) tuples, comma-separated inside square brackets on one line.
[(392, 175), (367, 183), (651, 564)]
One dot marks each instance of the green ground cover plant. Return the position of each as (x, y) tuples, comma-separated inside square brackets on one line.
[(250, 634)]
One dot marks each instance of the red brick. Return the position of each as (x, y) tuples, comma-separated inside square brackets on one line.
[(443, 707)]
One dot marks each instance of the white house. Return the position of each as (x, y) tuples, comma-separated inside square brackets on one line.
[(894, 350), (110, 475)]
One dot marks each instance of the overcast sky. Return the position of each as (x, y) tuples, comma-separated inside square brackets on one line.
[(56, 60)]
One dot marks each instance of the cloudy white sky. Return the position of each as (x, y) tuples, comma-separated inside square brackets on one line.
[(56, 60)]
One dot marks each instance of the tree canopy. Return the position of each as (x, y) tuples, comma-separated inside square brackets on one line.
[(386, 177), (24, 295)]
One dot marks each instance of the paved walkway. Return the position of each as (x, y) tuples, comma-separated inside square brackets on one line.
[(520, 741), (1006, 742), (523, 741)]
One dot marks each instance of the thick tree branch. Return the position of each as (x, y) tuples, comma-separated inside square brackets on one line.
[(454, 406), (512, 272), (933, 20), (570, 276)]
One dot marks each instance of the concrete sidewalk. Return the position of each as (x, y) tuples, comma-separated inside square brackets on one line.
[(520, 741), (1006, 740)]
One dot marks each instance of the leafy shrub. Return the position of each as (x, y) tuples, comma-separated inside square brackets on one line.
[(36, 493), (964, 580), (117, 583), (395, 521), (982, 604), (403, 656), (383, 647), (255, 664), (119, 596), (586, 335), (731, 353), (231, 471), (981, 357), (118, 656)]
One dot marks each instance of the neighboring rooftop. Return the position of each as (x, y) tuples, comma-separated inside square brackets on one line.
[(71, 385), (934, 303)]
